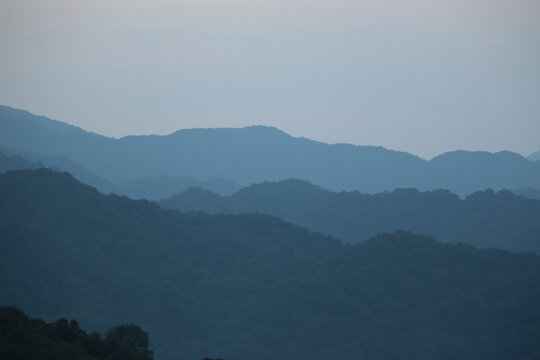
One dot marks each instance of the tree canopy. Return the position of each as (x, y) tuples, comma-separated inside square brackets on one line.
[(254, 286), (483, 219), (35, 339)]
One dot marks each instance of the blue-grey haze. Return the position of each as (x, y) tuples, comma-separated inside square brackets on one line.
[(420, 76), (254, 154)]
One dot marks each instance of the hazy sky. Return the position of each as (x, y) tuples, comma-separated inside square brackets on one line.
[(420, 76)]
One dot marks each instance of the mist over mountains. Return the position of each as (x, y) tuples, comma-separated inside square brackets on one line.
[(254, 286), (154, 188), (243, 231), (256, 154), (236, 263)]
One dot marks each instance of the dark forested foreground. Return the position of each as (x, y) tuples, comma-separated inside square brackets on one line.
[(483, 219), (22, 338), (256, 287)]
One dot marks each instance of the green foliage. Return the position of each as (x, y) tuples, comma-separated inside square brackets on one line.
[(253, 286), (483, 219), (127, 342), (30, 339)]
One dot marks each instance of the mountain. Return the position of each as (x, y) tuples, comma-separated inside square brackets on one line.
[(534, 156), (255, 154), (150, 188), (254, 286), (61, 163), (161, 187), (14, 162), (483, 219), (464, 172), (529, 193)]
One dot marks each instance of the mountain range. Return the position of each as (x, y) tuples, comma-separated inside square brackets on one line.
[(257, 153), (483, 219), (155, 188), (254, 286)]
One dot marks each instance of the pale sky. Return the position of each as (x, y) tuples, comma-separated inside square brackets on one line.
[(419, 76)]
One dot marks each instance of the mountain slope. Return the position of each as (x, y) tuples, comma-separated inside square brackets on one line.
[(34, 339), (528, 193), (534, 156), (161, 187), (259, 153), (149, 188), (14, 162), (483, 219), (253, 286)]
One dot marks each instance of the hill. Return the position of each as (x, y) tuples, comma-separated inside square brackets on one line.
[(255, 154), (14, 162), (254, 286), (483, 219), (528, 193), (155, 188), (161, 187), (34, 339)]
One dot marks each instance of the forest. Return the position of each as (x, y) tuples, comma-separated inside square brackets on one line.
[(35, 339), (269, 180), (253, 286), (484, 219)]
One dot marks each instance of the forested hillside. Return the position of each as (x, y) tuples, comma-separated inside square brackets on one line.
[(254, 286), (483, 219), (22, 338)]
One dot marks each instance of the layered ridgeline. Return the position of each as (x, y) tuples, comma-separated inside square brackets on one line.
[(483, 219), (8, 163), (255, 154), (155, 188), (22, 338), (254, 286)]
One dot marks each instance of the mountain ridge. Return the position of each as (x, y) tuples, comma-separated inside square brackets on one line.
[(259, 153), (254, 286), (155, 188), (483, 219)]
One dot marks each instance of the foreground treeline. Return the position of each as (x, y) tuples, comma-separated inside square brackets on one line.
[(32, 339), (255, 287)]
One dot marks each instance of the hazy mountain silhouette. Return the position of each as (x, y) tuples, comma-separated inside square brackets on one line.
[(62, 163), (253, 286), (161, 187), (483, 219), (534, 156), (258, 153), (14, 162), (151, 188), (529, 193)]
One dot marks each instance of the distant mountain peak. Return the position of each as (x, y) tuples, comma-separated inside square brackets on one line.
[(260, 153), (290, 186), (255, 129), (53, 125)]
